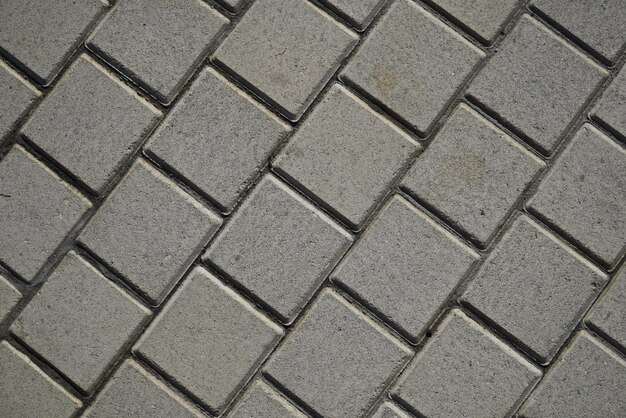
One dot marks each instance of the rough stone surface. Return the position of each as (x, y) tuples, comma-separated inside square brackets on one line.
[(135, 392), (91, 123), (322, 155), (536, 83), (358, 12), (79, 311), (588, 380), (465, 371), (150, 231), (266, 52), (41, 36), (473, 173), (279, 247), (404, 267), (218, 138), (27, 391), (9, 296), (535, 288), (611, 108), (17, 97), (412, 64), (209, 340), (345, 344), (261, 401), (38, 210), (389, 410), (608, 316), (158, 44), (585, 194)]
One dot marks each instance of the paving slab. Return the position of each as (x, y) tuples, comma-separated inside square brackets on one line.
[(465, 371), (358, 12), (9, 296), (17, 97), (412, 64), (608, 315), (390, 410), (611, 108), (261, 400)]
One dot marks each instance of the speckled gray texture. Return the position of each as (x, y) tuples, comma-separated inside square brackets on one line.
[(17, 97), (585, 193), (535, 288), (390, 410), (9, 296), (150, 231), (405, 267), (412, 64), (537, 83), (218, 138), (608, 316), (91, 123), (611, 108), (358, 12), (465, 371), (262, 401), (346, 155), (345, 344), (267, 53), (279, 247), (209, 339)]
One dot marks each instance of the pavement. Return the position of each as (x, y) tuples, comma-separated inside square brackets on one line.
[(292, 208)]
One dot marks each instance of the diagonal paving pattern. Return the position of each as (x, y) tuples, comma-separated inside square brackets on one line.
[(312, 208)]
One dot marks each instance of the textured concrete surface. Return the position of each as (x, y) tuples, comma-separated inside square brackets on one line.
[(312, 208)]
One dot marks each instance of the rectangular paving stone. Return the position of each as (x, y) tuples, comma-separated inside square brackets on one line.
[(279, 247), (390, 410), (333, 344), (584, 194), (218, 138), (79, 321), (149, 230), (404, 267), (91, 123), (535, 288), (611, 108), (599, 24), (587, 381), (536, 84), (412, 64), (346, 155), (358, 12), (262, 401), (40, 36), (158, 44), (465, 371), (472, 174), (135, 392), (17, 96), (209, 340), (9, 296), (38, 213), (266, 52), (28, 392), (608, 315)]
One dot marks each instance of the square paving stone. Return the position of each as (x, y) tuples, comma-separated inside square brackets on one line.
[(536, 84), (346, 155), (279, 247), (9, 296), (535, 288), (335, 343), (404, 267), (262, 401), (218, 138), (149, 230), (472, 174), (28, 392), (209, 340), (135, 392), (587, 381), (412, 64), (267, 52), (608, 316), (40, 36), (390, 410), (158, 44), (599, 24), (91, 123), (17, 96), (358, 12), (39, 210), (79, 321), (611, 108), (465, 371), (584, 194)]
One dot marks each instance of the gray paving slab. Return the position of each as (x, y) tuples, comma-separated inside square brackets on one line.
[(345, 344), (608, 315), (266, 52), (158, 44), (91, 123), (390, 410), (611, 108), (218, 138), (149, 230), (358, 12), (17, 97), (412, 64), (9, 296), (209, 340), (465, 371), (279, 247), (404, 267), (261, 400), (537, 83)]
